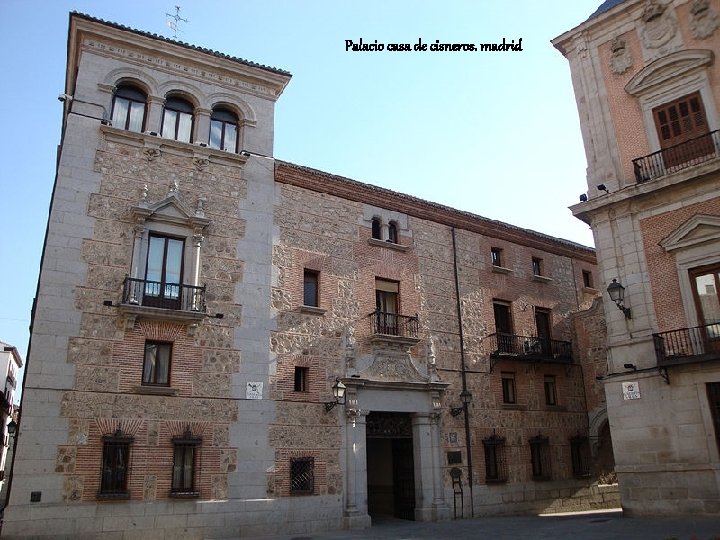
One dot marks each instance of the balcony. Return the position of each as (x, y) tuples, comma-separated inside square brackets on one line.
[(529, 349), (170, 301), (394, 327), (676, 158), (688, 345)]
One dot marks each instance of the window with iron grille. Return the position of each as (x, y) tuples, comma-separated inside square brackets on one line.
[(496, 256), (580, 455), (302, 476), (540, 457), (185, 451), (495, 463), (713, 394), (310, 288), (115, 463)]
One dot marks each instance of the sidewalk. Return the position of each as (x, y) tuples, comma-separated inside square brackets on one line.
[(600, 525)]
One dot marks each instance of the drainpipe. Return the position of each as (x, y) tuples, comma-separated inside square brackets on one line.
[(466, 411)]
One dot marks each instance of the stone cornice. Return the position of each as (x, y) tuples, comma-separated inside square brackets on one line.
[(146, 50), (352, 190)]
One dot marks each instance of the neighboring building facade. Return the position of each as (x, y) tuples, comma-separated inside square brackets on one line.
[(10, 364), (647, 84), (199, 303)]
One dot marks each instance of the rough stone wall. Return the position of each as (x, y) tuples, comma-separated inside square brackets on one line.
[(347, 260), (108, 357)]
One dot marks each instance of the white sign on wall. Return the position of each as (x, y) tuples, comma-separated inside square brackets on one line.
[(631, 390), (254, 390)]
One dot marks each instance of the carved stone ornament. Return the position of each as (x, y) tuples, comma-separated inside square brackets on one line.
[(660, 26), (201, 163), (704, 19), (392, 367), (151, 153), (620, 60)]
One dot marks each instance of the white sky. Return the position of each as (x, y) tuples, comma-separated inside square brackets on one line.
[(495, 134)]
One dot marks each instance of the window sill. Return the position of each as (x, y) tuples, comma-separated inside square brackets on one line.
[(313, 310), (387, 244), (513, 407), (113, 496), (498, 481), (556, 408), (541, 279), (590, 290), (184, 494), (155, 390), (501, 269)]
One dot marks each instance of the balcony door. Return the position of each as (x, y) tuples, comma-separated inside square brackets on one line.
[(163, 277), (503, 327), (542, 325), (706, 289), (386, 304), (677, 123)]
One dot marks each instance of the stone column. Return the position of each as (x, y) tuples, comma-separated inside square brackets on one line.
[(197, 244), (429, 499), (356, 515), (384, 232), (139, 229), (202, 125), (153, 121)]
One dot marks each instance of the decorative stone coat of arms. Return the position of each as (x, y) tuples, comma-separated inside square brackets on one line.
[(703, 19), (620, 60)]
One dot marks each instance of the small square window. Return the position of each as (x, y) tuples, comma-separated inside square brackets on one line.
[(550, 390), (508, 387), (537, 266), (587, 279), (496, 256), (302, 476), (301, 378), (156, 366), (310, 288)]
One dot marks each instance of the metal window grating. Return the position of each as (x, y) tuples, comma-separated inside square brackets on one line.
[(302, 475)]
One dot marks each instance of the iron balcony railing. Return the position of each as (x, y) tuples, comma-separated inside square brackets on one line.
[(688, 345), (678, 157), (142, 292), (530, 348), (393, 324)]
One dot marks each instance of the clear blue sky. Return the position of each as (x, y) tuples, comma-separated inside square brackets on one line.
[(496, 134)]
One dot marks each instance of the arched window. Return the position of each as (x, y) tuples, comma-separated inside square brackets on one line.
[(128, 110), (223, 130), (177, 119), (376, 228), (392, 232)]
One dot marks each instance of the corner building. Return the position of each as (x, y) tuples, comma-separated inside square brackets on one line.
[(200, 302), (647, 84)]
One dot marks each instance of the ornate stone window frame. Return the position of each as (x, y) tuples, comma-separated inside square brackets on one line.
[(695, 243), (670, 78)]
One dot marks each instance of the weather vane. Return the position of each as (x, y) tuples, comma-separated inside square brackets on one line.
[(174, 20)]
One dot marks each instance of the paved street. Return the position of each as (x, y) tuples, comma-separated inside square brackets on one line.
[(587, 526)]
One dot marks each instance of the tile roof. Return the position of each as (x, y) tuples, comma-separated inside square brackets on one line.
[(605, 6), (181, 43)]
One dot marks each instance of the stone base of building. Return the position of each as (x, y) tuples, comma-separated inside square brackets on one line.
[(674, 493)]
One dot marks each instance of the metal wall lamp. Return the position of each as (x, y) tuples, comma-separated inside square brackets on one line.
[(466, 398), (338, 390), (617, 295)]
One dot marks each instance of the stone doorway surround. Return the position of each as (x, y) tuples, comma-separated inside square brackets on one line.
[(421, 400)]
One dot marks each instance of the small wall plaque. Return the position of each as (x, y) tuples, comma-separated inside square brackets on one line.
[(631, 390)]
